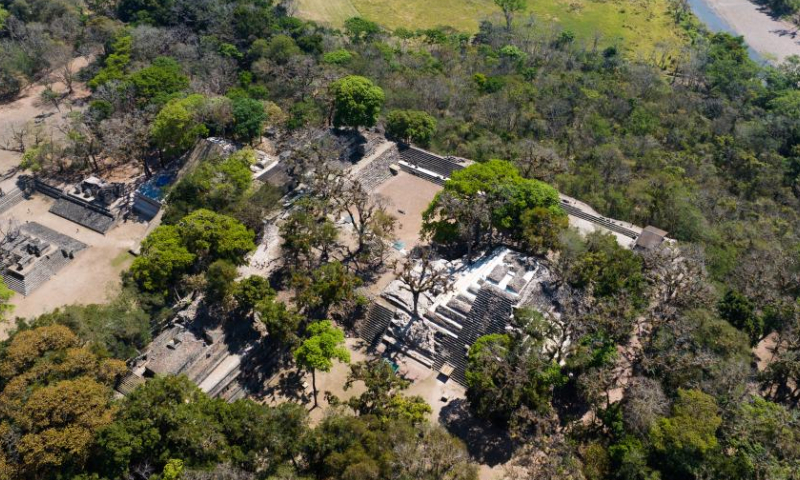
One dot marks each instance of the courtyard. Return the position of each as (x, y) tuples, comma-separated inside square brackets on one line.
[(92, 277)]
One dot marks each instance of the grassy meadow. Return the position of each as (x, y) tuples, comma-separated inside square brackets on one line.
[(640, 26)]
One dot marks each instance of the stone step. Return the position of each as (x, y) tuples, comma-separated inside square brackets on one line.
[(10, 199)]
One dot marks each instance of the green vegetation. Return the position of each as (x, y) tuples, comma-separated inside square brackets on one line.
[(411, 126), (640, 364), (55, 397), (198, 240), (489, 200), (324, 344), (510, 379), (642, 29), (356, 102)]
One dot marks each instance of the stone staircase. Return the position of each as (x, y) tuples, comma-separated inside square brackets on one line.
[(91, 219), (377, 172), (423, 174), (45, 268), (604, 222), (10, 199), (490, 313), (429, 161), (378, 319)]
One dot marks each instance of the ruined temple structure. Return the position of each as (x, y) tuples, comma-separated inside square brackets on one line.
[(481, 301), (208, 352), (32, 253), (92, 203)]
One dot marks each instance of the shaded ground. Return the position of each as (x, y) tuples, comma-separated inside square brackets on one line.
[(94, 275), (291, 385), (486, 444)]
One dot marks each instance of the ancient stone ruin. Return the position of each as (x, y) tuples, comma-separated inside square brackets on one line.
[(32, 253), (481, 302)]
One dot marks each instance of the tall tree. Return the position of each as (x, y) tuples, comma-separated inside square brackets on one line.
[(510, 8), (411, 126), (323, 345), (421, 274), (356, 103)]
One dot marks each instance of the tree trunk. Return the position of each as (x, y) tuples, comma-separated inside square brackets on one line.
[(147, 172), (415, 296), (314, 386)]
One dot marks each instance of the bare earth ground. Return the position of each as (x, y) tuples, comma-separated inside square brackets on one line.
[(94, 275), (27, 107), (408, 197), (284, 384), (774, 38)]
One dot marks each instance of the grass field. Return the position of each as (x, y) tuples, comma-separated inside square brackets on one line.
[(333, 12), (640, 25)]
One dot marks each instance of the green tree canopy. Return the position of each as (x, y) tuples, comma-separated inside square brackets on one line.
[(740, 311), (54, 396), (217, 184), (212, 236), (169, 417), (323, 344), (411, 126), (357, 102), (510, 8), (163, 259), (198, 239), (160, 80), (509, 378), (329, 288), (485, 199), (689, 434), (119, 328), (249, 116), (178, 125), (360, 29)]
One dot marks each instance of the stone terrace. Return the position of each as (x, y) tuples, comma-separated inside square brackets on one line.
[(481, 302), (33, 255)]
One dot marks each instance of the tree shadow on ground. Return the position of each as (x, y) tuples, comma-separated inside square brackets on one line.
[(288, 386), (485, 443)]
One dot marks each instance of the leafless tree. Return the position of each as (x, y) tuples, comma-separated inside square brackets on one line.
[(126, 138), (434, 455), (644, 402), (535, 160), (421, 274), (368, 215), (20, 137)]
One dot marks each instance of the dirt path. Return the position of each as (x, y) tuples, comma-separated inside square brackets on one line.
[(773, 38)]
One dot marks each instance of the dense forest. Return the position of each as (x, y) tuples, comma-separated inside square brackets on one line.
[(702, 143)]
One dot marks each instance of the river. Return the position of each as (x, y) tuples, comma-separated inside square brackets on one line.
[(769, 39)]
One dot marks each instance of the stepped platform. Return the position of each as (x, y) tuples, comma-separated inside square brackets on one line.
[(378, 171), (10, 199), (83, 215), (33, 255), (481, 302), (430, 162)]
